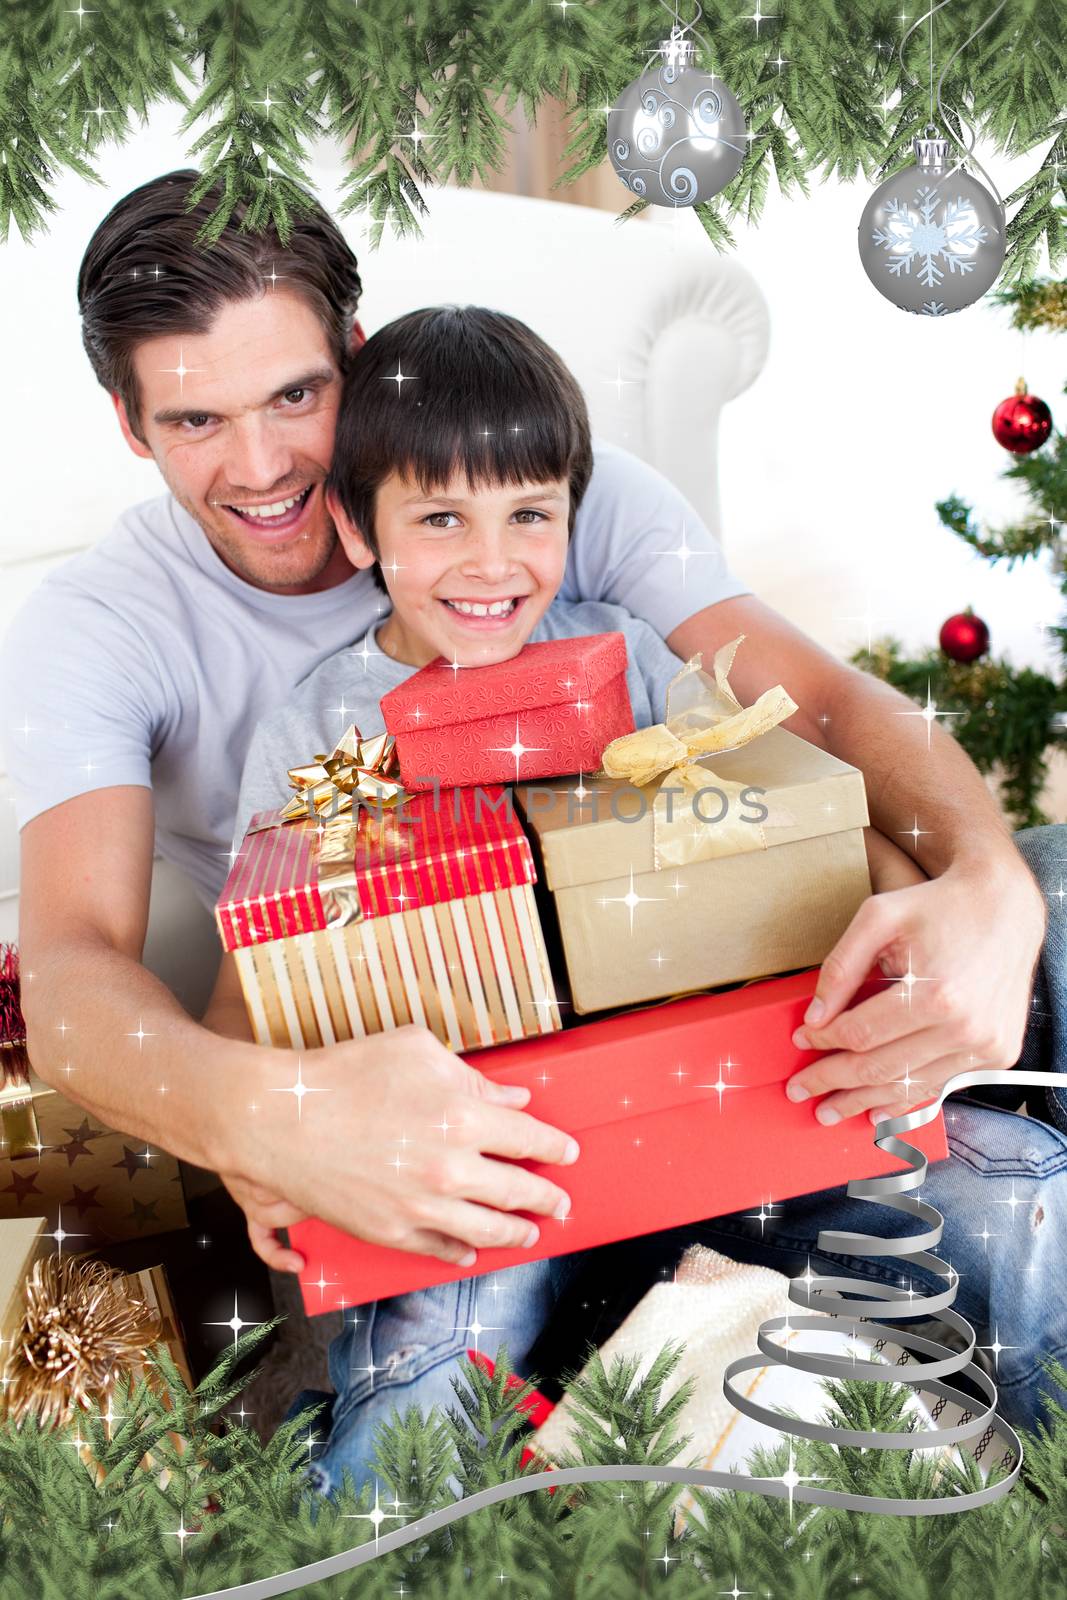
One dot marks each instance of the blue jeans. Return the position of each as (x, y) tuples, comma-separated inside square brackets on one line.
[(1002, 1192)]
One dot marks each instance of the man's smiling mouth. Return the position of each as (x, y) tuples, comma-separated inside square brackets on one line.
[(273, 516)]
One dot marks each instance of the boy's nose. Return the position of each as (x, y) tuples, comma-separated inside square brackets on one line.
[(489, 558)]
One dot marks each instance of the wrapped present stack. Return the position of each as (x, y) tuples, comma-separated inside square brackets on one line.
[(56, 1159), (708, 862)]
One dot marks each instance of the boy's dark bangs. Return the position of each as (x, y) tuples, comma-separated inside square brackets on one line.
[(444, 437)]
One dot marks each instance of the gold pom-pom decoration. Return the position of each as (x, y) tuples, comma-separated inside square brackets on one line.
[(80, 1332)]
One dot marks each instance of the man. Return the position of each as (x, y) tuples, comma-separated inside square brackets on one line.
[(161, 647)]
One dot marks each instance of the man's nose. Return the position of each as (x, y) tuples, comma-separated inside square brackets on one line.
[(258, 457)]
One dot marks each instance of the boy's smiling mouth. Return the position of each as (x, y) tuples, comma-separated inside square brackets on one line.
[(484, 613)]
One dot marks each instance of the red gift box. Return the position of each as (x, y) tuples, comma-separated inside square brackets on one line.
[(550, 709), (681, 1114), (425, 916)]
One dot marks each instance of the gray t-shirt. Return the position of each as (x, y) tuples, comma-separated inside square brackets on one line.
[(145, 660), (349, 686)]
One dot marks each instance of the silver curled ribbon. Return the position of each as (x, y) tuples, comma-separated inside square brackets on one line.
[(890, 1190)]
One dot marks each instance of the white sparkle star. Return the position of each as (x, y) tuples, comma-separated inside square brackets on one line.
[(630, 899), (517, 749), (997, 1347), (140, 1035), (684, 553), (181, 369), (377, 1516), (915, 832), (398, 377), (59, 1233), (929, 713), (235, 1323), (299, 1089), (757, 17)]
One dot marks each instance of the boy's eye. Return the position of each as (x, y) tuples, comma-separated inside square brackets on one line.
[(526, 512)]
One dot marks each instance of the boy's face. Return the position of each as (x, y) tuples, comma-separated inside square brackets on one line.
[(444, 554)]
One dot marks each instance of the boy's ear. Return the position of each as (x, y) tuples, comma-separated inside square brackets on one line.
[(356, 547), (135, 444)]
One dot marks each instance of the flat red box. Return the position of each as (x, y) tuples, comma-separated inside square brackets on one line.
[(550, 709), (660, 1144)]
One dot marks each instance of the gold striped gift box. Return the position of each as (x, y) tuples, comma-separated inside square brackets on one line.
[(370, 920)]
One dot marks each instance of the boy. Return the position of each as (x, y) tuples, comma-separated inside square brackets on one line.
[(462, 453)]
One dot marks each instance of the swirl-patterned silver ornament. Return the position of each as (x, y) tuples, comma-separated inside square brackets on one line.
[(676, 135)]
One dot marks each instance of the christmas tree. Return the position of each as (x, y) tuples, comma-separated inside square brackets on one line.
[(1009, 719)]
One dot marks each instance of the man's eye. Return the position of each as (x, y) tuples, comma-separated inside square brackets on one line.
[(300, 393), (198, 420)]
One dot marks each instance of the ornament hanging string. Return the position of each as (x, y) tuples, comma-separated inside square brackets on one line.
[(678, 34), (961, 119)]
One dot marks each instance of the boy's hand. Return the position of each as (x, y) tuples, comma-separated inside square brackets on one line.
[(264, 1211), (395, 1140)]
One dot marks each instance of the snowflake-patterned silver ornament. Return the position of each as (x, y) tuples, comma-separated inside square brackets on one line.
[(932, 239), (676, 135)]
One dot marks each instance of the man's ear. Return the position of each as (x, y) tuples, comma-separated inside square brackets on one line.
[(356, 547), (135, 444)]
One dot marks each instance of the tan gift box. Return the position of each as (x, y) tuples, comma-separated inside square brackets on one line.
[(22, 1242), (631, 933)]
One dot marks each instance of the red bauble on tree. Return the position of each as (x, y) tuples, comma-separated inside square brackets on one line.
[(964, 637), (1023, 422)]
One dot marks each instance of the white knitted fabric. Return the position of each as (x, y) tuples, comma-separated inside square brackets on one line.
[(714, 1309)]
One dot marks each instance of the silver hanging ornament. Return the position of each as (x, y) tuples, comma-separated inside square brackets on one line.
[(932, 239), (676, 135)]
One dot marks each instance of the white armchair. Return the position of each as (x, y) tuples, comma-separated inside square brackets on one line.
[(660, 333)]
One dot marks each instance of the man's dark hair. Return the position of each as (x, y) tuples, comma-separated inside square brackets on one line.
[(143, 275), (478, 392)]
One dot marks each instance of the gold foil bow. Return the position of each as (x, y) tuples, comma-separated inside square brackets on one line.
[(704, 717), (328, 784), (327, 788)]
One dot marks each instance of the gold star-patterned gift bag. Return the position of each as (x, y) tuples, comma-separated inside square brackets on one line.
[(96, 1185)]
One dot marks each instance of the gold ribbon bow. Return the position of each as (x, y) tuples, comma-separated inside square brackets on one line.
[(327, 788), (327, 785), (704, 717)]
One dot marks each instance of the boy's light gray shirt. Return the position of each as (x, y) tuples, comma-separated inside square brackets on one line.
[(146, 661), (348, 687)]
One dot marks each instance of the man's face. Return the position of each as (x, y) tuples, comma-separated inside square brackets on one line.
[(240, 421)]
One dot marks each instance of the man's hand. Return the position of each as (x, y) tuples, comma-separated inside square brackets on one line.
[(396, 1141), (965, 946)]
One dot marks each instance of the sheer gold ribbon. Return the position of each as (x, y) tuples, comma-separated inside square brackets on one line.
[(704, 717)]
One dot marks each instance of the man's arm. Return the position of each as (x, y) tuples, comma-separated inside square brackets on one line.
[(948, 933), (112, 1037)]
